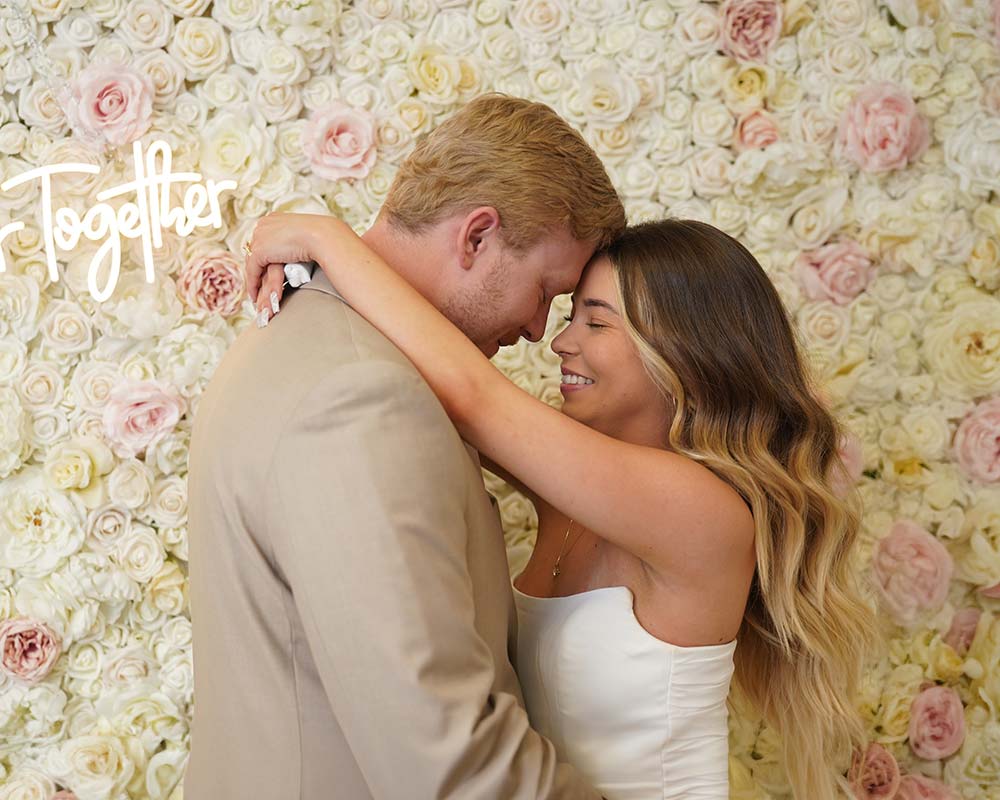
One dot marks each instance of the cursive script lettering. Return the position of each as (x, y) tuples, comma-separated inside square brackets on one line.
[(146, 218)]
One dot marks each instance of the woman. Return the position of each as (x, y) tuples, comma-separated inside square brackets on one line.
[(687, 499)]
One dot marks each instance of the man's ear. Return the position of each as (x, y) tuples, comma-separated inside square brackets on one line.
[(479, 230)]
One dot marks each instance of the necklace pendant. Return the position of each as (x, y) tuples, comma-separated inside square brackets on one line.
[(556, 572)]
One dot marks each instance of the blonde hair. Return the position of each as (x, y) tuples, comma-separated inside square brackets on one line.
[(517, 156), (714, 337)]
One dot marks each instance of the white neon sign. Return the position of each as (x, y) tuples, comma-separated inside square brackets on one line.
[(145, 218)]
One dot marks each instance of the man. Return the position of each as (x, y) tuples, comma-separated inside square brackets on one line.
[(350, 595)]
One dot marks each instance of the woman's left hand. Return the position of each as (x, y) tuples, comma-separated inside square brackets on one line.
[(280, 238)]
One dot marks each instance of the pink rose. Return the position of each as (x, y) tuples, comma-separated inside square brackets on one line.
[(750, 28), (880, 130), (29, 649), (340, 142), (991, 591), (212, 283), (963, 629), (110, 103), (139, 414), (755, 129), (977, 442), (937, 723), (912, 571), (876, 775), (838, 272), (920, 787), (847, 471)]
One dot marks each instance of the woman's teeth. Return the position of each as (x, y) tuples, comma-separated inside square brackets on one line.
[(576, 379)]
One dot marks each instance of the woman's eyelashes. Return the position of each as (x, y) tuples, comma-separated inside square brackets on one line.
[(569, 318)]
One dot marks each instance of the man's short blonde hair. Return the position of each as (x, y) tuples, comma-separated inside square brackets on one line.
[(517, 156)]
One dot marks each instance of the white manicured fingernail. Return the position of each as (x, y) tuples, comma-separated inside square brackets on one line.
[(248, 307), (274, 302)]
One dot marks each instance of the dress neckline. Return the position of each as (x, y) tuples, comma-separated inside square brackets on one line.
[(577, 596)]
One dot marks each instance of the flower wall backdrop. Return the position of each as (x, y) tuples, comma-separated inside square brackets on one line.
[(853, 145)]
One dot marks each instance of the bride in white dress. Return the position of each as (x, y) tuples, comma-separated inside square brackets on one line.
[(689, 496)]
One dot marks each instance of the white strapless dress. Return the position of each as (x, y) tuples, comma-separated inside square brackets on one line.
[(639, 717)]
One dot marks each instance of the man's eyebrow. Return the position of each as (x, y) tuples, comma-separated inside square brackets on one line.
[(591, 302)]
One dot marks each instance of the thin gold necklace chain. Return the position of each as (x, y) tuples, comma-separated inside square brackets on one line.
[(556, 572)]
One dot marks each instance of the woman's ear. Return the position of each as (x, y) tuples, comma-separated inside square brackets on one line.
[(478, 231)]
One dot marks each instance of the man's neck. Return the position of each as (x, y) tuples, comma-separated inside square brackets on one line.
[(405, 254)]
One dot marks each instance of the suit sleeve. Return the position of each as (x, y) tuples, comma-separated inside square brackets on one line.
[(366, 509)]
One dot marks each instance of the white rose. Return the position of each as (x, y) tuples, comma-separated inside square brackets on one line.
[(697, 29), (710, 171), (542, 20), (190, 110), (776, 173), (675, 184), (729, 215), (146, 25), (130, 484), (167, 591), (962, 347), (235, 147), (847, 59), (166, 74), (711, 123), (127, 665), (140, 553), (434, 73), (13, 137), (39, 527), (66, 328), (38, 108), (97, 765), (91, 384), (490, 12), (603, 96), (20, 313), (41, 385), (825, 325), (708, 74), (222, 89), (844, 17), (748, 87), (177, 676), (816, 215), (106, 526), (78, 464), (201, 45), (175, 541), (139, 309), (169, 501), (973, 151), (455, 29), (239, 15), (27, 783), (14, 447), (282, 63), (78, 29), (248, 47), (13, 359)]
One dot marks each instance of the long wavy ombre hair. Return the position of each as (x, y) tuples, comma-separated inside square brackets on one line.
[(716, 339)]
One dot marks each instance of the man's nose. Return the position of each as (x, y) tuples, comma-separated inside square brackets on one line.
[(535, 330)]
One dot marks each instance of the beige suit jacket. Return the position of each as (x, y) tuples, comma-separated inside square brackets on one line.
[(350, 597)]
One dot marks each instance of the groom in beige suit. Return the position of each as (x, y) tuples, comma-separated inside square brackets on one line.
[(352, 609)]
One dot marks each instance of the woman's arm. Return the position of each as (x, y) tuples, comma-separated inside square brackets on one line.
[(634, 496)]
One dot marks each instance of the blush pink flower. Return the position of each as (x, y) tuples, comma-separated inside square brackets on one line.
[(937, 723), (139, 414), (64, 794), (963, 629), (874, 776), (339, 141), (848, 471), (212, 283), (755, 129), (920, 787), (749, 28), (110, 103), (977, 442), (991, 591), (838, 272), (881, 129), (912, 571), (29, 649)]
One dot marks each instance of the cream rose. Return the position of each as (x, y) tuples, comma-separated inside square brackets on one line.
[(962, 348), (201, 45)]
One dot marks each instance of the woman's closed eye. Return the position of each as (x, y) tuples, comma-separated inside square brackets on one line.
[(569, 318)]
